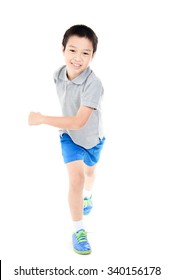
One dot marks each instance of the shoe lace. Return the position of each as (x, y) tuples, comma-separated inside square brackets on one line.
[(87, 202), (81, 236)]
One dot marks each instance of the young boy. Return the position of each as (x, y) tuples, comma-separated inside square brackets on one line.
[(81, 135)]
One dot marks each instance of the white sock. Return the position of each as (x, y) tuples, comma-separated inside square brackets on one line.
[(87, 193), (78, 225)]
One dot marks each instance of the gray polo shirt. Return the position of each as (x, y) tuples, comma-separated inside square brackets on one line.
[(84, 90)]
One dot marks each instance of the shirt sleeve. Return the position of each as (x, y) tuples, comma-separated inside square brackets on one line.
[(92, 94)]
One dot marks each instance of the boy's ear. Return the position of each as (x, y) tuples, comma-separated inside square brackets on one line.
[(93, 55), (63, 49)]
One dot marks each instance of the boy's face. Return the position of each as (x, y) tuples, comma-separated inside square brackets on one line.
[(78, 55)]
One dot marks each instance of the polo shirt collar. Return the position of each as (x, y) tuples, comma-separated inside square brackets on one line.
[(79, 79)]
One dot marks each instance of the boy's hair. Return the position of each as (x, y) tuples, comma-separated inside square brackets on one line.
[(81, 31)]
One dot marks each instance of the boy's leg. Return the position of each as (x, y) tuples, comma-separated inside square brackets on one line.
[(75, 197), (76, 185)]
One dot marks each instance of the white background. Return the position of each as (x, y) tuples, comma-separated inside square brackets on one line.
[(132, 220)]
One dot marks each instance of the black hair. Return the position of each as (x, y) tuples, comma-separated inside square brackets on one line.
[(81, 31)]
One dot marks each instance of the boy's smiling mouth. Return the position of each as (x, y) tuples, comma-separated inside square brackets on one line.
[(75, 65)]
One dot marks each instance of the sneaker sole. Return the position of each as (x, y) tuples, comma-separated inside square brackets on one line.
[(82, 252), (86, 214)]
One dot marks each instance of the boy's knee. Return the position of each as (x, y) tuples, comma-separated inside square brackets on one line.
[(89, 173)]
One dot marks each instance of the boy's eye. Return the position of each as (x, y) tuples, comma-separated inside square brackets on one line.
[(85, 53), (71, 50)]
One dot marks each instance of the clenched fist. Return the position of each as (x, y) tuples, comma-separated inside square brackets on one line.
[(35, 118)]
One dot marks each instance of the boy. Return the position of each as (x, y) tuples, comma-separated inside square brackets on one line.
[(80, 93)]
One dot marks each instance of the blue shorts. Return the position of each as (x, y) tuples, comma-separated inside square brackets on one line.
[(72, 151)]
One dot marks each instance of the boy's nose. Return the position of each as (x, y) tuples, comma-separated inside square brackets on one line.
[(77, 57)]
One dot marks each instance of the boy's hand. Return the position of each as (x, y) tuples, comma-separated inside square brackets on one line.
[(35, 118)]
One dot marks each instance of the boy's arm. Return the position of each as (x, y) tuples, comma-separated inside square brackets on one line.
[(74, 123)]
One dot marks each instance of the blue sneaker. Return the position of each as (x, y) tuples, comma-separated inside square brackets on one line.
[(87, 205), (80, 242)]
